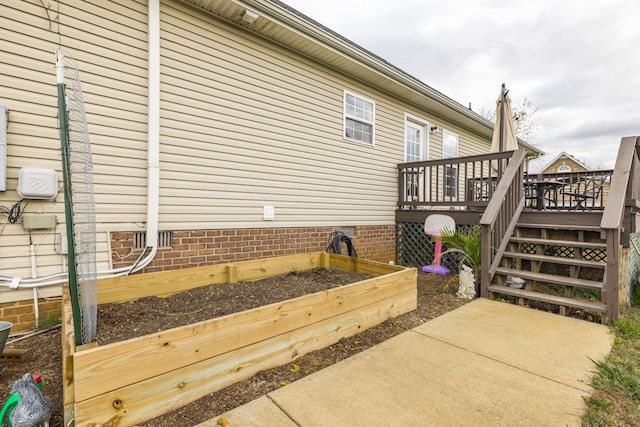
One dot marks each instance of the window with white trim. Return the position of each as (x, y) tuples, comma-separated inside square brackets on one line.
[(359, 117), (449, 150), (449, 145)]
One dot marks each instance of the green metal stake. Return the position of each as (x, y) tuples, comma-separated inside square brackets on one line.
[(68, 207)]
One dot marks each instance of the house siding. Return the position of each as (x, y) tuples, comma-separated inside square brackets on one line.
[(266, 125), (564, 161), (244, 123), (108, 41)]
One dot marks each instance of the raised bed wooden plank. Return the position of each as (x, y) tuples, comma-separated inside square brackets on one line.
[(359, 265), (126, 288), (163, 393), (110, 367), (261, 268)]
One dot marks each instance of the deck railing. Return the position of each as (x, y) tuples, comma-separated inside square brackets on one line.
[(584, 190), (455, 182), (470, 182)]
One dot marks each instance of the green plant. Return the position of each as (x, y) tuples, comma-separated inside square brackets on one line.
[(48, 321), (467, 243), (616, 399)]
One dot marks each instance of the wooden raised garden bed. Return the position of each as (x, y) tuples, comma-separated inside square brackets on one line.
[(127, 382)]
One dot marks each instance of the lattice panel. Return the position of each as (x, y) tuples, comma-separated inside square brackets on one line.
[(415, 248), (560, 251), (594, 254), (591, 254), (528, 248)]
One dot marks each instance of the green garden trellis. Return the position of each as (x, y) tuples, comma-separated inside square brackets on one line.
[(77, 171)]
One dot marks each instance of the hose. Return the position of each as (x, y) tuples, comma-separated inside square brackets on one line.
[(335, 244)]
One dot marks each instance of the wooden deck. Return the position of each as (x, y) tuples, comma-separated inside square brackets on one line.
[(507, 203)]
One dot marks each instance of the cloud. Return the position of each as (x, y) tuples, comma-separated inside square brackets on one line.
[(576, 62)]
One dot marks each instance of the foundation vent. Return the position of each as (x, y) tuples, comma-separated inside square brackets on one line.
[(140, 239)]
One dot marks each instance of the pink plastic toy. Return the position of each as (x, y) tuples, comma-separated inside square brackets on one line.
[(433, 226)]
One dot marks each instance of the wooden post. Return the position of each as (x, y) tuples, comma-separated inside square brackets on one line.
[(232, 273), (612, 274), (624, 293)]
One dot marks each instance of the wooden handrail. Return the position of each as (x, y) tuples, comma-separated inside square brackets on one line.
[(500, 218), (624, 185), (627, 156), (465, 159)]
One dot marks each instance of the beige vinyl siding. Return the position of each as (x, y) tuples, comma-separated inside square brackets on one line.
[(109, 41), (266, 128)]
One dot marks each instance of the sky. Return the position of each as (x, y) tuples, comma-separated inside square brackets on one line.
[(578, 62)]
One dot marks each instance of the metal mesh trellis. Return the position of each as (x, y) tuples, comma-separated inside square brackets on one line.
[(79, 168), (634, 264), (415, 248)]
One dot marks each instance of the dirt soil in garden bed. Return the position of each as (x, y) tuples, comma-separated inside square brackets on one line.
[(117, 322)]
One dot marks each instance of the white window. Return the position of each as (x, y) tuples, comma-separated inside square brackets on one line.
[(359, 117), (449, 145), (564, 168), (449, 150)]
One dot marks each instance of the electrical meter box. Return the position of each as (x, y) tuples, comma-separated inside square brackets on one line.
[(37, 183)]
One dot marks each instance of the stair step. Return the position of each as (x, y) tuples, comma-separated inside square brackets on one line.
[(559, 226), (551, 299), (567, 243), (556, 259), (550, 278)]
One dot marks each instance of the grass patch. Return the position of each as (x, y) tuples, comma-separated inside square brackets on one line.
[(48, 321), (616, 400)]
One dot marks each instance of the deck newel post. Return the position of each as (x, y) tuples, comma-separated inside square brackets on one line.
[(486, 262), (612, 274)]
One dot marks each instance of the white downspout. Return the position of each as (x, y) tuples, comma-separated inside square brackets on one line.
[(153, 146)]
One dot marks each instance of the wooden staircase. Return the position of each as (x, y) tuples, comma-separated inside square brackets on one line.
[(561, 265)]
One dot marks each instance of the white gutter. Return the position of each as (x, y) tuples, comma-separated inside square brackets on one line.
[(153, 168)]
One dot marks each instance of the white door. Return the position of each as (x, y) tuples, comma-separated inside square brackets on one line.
[(415, 150)]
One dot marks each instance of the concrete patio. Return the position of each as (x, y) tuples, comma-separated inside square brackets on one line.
[(485, 363)]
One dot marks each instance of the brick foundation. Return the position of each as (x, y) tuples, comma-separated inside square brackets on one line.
[(23, 316), (204, 247)]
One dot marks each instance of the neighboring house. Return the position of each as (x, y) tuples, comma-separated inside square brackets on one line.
[(563, 163), (226, 130)]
